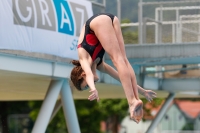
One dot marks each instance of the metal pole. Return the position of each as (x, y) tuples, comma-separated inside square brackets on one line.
[(104, 6), (69, 109), (177, 26), (160, 25), (173, 33), (119, 10), (161, 113), (180, 30), (199, 32), (47, 107), (98, 4), (140, 17), (160, 75), (158, 37), (156, 26), (144, 30)]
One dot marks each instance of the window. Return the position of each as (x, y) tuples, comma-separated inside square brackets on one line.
[(166, 117)]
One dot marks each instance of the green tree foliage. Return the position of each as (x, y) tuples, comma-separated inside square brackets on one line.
[(113, 106), (154, 104), (8, 108), (89, 116), (130, 36), (188, 126), (58, 123), (113, 111)]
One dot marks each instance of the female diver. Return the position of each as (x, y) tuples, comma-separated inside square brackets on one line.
[(102, 33)]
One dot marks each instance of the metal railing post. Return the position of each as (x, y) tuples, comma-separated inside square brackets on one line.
[(140, 17)]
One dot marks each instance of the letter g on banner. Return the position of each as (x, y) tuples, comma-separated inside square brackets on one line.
[(64, 16), (25, 16)]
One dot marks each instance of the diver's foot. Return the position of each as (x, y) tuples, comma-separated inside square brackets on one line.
[(136, 110)]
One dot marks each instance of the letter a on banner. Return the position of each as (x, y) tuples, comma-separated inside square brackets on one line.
[(64, 16)]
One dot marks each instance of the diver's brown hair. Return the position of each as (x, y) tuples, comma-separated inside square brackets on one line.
[(76, 74)]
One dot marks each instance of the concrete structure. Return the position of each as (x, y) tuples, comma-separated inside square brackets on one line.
[(28, 76), (36, 76)]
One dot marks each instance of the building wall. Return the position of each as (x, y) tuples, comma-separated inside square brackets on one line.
[(197, 123), (129, 126), (173, 119)]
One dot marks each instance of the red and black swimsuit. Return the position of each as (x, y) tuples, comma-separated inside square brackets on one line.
[(91, 43)]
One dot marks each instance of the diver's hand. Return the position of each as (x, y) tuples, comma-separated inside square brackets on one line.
[(94, 95), (149, 95), (96, 61)]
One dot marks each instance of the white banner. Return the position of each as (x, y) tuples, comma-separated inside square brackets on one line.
[(45, 26)]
